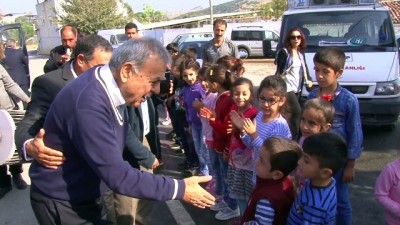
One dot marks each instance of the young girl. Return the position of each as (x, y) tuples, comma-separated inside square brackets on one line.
[(220, 81), (193, 91), (233, 64), (317, 117), (387, 192), (240, 169), (269, 121)]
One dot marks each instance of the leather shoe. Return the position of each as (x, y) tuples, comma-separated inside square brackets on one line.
[(4, 191), (19, 182)]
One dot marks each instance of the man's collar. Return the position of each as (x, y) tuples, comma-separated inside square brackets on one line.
[(71, 66), (111, 85)]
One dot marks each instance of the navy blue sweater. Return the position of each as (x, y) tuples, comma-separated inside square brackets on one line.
[(82, 123)]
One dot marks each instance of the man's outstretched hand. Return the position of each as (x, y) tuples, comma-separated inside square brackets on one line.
[(195, 194), (46, 156)]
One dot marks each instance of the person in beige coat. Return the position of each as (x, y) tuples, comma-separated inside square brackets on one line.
[(7, 88)]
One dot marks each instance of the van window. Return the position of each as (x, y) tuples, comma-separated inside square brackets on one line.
[(247, 35), (350, 30)]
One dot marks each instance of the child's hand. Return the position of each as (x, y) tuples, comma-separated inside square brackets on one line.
[(229, 127), (197, 104), (309, 84), (236, 120), (349, 172), (207, 113), (249, 126)]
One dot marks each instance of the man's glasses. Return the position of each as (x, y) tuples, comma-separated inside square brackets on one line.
[(269, 101), (294, 37)]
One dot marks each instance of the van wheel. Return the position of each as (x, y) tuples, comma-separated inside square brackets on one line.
[(245, 52)]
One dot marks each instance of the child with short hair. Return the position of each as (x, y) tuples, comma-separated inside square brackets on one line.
[(329, 65), (269, 122), (274, 193), (387, 191), (316, 117), (323, 155)]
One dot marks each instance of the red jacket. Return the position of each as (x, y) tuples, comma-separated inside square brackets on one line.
[(222, 106), (279, 192)]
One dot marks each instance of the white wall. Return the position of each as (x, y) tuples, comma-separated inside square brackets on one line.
[(48, 31)]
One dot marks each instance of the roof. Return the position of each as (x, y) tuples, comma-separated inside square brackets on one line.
[(336, 8), (188, 20), (394, 8)]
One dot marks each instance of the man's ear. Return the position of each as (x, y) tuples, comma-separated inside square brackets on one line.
[(126, 72), (277, 174), (80, 59)]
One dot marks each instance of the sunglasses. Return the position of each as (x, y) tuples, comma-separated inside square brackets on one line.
[(293, 37)]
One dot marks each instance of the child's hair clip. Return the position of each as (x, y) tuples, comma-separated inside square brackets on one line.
[(211, 72)]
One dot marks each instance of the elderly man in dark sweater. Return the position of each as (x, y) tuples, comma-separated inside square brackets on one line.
[(91, 133)]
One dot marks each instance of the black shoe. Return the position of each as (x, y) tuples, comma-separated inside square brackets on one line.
[(19, 182), (4, 191), (170, 135)]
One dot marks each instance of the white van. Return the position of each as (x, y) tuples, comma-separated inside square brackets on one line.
[(249, 40), (199, 35), (364, 30), (115, 36)]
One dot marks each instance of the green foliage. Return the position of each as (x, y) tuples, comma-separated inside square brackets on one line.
[(27, 26), (90, 16), (273, 9), (149, 15)]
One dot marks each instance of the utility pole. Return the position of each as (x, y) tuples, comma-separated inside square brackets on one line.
[(211, 11)]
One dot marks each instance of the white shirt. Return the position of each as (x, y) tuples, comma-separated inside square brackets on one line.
[(293, 77), (144, 110)]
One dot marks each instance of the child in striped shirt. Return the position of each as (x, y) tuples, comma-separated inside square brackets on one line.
[(324, 154), (274, 193)]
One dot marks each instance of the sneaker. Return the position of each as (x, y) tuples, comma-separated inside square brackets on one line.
[(174, 146), (170, 135), (227, 214), (19, 182), (220, 205), (179, 152), (166, 122)]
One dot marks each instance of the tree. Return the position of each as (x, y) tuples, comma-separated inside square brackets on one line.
[(273, 9), (149, 15), (90, 16), (27, 26)]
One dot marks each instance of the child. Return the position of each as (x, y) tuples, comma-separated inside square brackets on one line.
[(328, 66), (220, 81), (190, 92), (323, 155), (316, 117), (240, 169), (208, 102), (274, 192), (269, 121), (233, 64), (179, 122), (387, 192)]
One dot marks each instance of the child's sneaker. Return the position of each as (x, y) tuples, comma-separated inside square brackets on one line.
[(227, 214), (166, 122), (220, 205)]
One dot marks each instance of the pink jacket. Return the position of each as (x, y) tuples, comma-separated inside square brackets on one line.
[(387, 192)]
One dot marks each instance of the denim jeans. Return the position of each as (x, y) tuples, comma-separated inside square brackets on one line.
[(221, 173), (344, 211), (201, 150)]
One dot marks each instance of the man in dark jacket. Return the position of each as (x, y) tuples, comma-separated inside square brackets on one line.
[(62, 53)]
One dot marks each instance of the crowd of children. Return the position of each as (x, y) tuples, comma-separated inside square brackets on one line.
[(249, 151)]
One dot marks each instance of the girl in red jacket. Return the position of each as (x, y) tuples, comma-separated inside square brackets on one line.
[(220, 79)]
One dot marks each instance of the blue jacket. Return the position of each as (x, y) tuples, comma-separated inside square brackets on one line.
[(82, 123)]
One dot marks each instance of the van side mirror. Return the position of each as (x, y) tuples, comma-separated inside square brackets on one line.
[(266, 45)]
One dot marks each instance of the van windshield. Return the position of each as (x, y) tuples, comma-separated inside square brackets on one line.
[(350, 30)]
